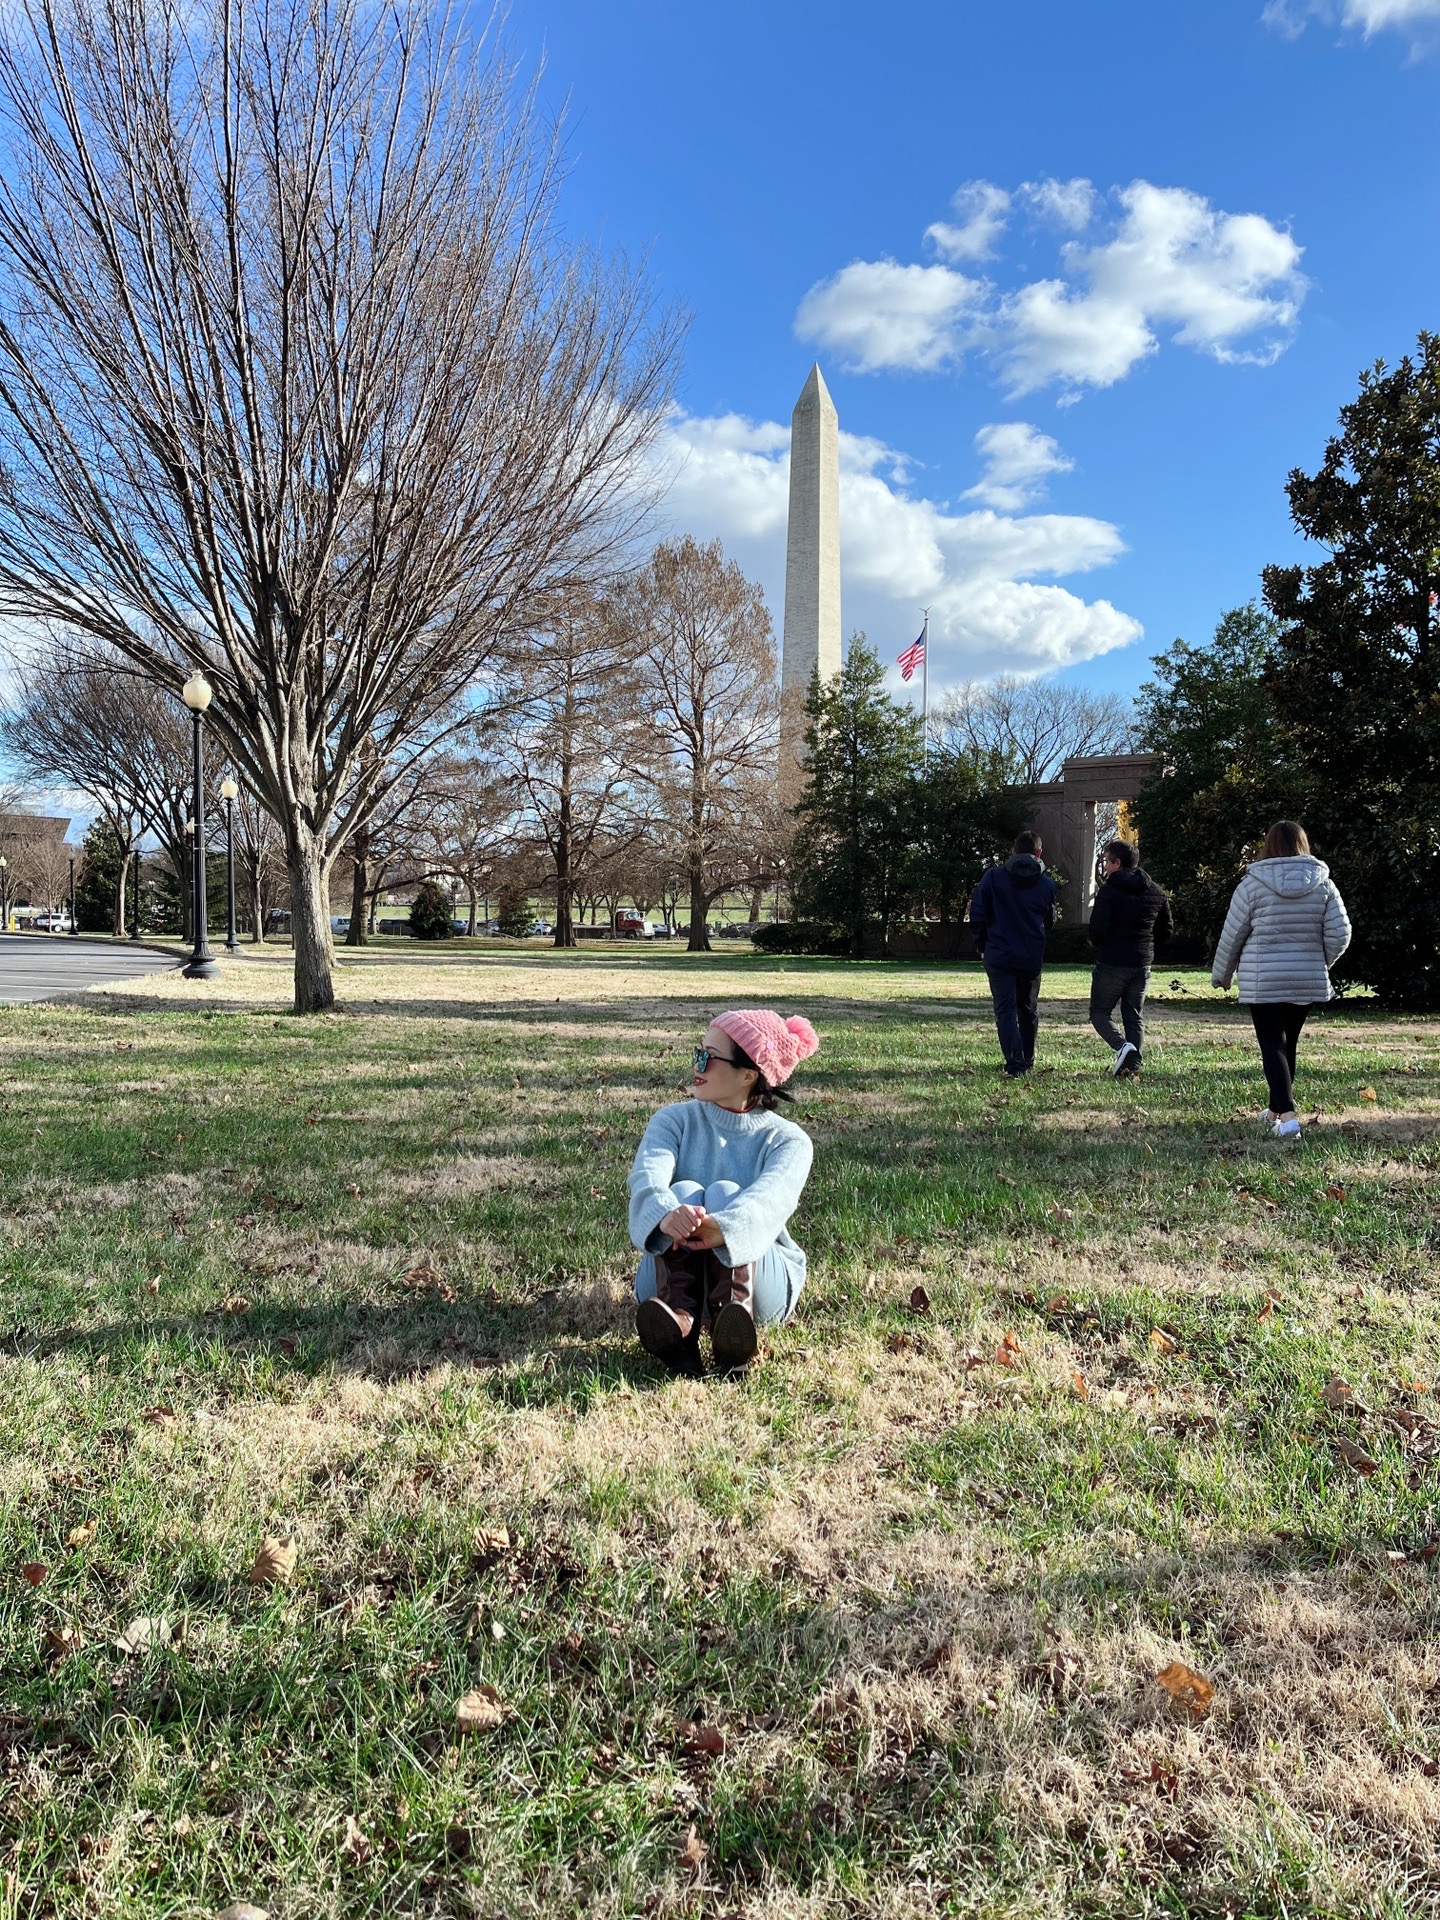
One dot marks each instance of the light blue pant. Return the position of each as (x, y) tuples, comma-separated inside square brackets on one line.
[(776, 1291)]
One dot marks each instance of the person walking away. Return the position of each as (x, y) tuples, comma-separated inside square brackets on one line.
[(714, 1182), (1130, 917), (1286, 928), (1012, 912)]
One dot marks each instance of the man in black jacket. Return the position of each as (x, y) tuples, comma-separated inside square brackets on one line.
[(1129, 916)]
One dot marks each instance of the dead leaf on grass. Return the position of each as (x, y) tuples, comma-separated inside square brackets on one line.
[(152, 1286), (1061, 1213), (479, 1711), (235, 1303), (144, 1632), (1080, 1385), (1009, 1351), (242, 1910), (1186, 1688), (35, 1571), (919, 1300), (354, 1843), (159, 1417), (275, 1562), (899, 1343), (1334, 1193), (1355, 1456), (692, 1851), (699, 1739), (1337, 1393), (61, 1642), (1162, 1342), (82, 1535), (492, 1540), (1368, 1093)]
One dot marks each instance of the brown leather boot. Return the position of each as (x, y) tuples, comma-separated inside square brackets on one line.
[(669, 1324), (733, 1339)]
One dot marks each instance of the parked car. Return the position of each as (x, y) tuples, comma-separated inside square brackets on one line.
[(541, 928), (52, 923)]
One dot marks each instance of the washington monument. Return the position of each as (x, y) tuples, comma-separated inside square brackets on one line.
[(812, 547)]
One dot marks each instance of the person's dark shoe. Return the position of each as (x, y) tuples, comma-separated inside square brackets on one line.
[(734, 1339), (1016, 1073), (668, 1325)]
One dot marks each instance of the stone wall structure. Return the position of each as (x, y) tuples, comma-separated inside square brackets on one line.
[(1064, 817)]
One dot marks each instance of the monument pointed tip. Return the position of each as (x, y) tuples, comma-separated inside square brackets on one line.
[(815, 390)]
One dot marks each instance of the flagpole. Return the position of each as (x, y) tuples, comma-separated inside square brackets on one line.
[(925, 684)]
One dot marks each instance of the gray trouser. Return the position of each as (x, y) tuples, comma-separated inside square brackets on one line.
[(1125, 985)]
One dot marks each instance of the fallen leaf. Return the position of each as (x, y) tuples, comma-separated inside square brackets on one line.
[(275, 1562), (1062, 1213), (899, 1343), (480, 1711), (1009, 1351), (61, 1642), (692, 1851), (159, 1417), (1334, 1193), (1161, 1341), (1355, 1456), (1007, 1179), (919, 1300), (1337, 1393), (1058, 1303), (242, 1910), (492, 1539), (1081, 1386), (699, 1739), (81, 1536), (1186, 1688), (1266, 1311), (35, 1571), (235, 1303), (354, 1843), (1368, 1093), (144, 1632), (152, 1286)]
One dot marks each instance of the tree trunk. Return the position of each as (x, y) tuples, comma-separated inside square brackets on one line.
[(310, 929), (359, 887), (757, 906), (699, 941), (474, 902), (257, 912), (121, 897)]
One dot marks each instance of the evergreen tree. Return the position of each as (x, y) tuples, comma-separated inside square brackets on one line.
[(513, 913), (432, 913), (1355, 681), (958, 813), (101, 859), (852, 847)]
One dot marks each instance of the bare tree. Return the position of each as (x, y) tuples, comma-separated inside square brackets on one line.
[(711, 701), (259, 855), (1031, 727), (82, 718), (299, 383), (575, 742), (468, 824)]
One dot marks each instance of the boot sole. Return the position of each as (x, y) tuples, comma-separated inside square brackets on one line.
[(734, 1340), (662, 1339)]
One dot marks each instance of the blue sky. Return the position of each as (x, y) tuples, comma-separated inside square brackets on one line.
[(1181, 231)]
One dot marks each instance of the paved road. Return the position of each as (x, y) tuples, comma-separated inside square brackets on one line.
[(37, 966)]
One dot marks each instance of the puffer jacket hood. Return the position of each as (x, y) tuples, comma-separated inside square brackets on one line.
[(1130, 914), (1011, 913), (1291, 875), (1024, 869), (1129, 880)]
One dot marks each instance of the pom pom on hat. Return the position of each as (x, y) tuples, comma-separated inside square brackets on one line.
[(776, 1046)]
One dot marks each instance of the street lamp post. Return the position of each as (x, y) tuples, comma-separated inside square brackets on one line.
[(4, 894), (229, 789), (74, 930), (779, 876), (485, 879), (134, 901), (203, 964)]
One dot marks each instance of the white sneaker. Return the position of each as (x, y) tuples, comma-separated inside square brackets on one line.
[(1266, 1118), (1123, 1057), (1286, 1130)]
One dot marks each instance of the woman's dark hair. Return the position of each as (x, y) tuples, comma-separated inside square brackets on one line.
[(765, 1096), (1284, 840)]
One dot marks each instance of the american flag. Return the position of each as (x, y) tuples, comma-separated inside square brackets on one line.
[(912, 657)]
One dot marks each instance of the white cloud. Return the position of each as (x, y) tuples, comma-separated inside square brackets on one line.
[(1417, 18), (982, 210), (1018, 460), (877, 313), (1228, 285), (1067, 203), (987, 577)]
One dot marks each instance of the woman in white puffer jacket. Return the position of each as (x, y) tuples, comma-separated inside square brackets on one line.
[(1286, 928)]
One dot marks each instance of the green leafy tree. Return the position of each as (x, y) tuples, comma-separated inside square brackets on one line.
[(958, 813), (1208, 712), (1355, 680), (432, 912), (852, 850)]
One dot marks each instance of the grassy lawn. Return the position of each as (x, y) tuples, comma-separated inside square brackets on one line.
[(1088, 1380)]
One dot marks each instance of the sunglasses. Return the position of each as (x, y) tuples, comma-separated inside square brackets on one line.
[(704, 1055)]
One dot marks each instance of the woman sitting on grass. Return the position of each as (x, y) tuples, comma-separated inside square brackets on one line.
[(714, 1181)]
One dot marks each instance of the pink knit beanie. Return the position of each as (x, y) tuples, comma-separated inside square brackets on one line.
[(776, 1046)]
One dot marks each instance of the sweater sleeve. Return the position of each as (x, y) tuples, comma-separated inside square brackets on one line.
[(1100, 915), (752, 1221), (980, 912), (651, 1195), (1233, 937), (1335, 932), (1164, 925)]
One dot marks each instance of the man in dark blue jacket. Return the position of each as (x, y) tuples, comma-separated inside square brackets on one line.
[(1013, 910), (1130, 917)]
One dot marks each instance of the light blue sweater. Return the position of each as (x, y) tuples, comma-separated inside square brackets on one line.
[(767, 1157)]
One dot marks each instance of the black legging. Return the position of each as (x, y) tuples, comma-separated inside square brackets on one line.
[(1277, 1028)]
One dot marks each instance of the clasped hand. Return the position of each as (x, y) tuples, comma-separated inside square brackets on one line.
[(692, 1227)]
